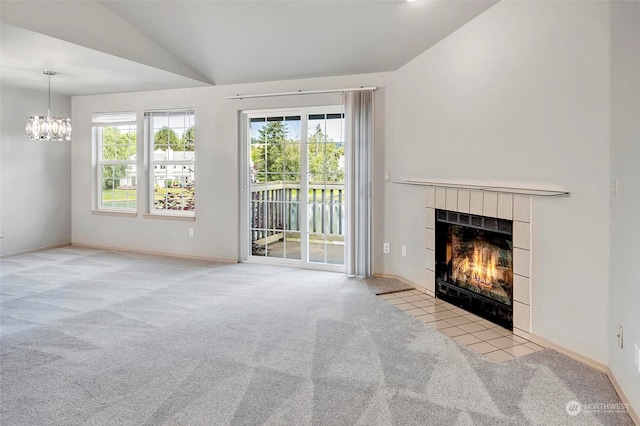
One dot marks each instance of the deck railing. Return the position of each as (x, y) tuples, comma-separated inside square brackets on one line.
[(277, 207)]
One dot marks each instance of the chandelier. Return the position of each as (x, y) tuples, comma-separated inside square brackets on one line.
[(48, 128)]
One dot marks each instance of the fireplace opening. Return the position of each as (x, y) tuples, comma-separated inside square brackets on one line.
[(474, 264)]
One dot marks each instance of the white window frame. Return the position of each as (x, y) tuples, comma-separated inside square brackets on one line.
[(166, 164), (98, 122)]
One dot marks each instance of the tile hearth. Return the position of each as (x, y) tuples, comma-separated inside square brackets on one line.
[(484, 337)]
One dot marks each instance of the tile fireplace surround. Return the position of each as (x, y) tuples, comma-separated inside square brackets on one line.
[(515, 207)]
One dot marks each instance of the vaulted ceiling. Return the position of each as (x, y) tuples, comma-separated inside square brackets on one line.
[(118, 46)]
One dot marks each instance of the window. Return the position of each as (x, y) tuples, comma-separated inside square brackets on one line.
[(114, 141), (171, 147)]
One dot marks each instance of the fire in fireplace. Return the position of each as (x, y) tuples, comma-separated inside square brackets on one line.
[(474, 264)]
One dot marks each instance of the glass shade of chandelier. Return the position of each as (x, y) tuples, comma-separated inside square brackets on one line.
[(48, 128)]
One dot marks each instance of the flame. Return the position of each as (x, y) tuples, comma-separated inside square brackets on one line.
[(481, 268), (477, 261), (492, 274), (465, 265)]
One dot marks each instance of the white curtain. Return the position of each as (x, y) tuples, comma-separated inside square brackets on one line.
[(358, 110)]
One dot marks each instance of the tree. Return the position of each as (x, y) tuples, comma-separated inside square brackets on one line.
[(272, 153), (324, 158), (167, 137), (116, 146), (188, 140)]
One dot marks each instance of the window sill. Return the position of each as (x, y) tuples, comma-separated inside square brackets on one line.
[(116, 213), (169, 216)]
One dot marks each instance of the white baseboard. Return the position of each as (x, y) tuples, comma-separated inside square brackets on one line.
[(524, 334), (623, 397), (569, 353), (36, 250), (158, 253)]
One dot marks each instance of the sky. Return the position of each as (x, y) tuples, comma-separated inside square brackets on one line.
[(178, 122), (332, 127)]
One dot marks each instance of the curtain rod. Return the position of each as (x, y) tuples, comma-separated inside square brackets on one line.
[(302, 92)]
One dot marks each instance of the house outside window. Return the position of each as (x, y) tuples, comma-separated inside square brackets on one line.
[(171, 148), (114, 145)]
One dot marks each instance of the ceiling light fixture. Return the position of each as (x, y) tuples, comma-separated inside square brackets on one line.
[(48, 128)]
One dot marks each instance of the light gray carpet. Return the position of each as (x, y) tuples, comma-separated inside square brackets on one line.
[(98, 337)]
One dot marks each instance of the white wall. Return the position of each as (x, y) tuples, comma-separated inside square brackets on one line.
[(217, 144), (625, 209), (520, 94), (35, 176)]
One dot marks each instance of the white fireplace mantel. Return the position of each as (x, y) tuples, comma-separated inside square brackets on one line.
[(503, 189)]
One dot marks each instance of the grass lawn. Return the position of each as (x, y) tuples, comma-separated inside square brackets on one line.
[(119, 194), (119, 198), (122, 198), (160, 192)]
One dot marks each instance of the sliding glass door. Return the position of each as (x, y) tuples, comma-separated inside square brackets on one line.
[(325, 185), (294, 192)]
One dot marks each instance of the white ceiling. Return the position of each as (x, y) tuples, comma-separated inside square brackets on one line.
[(119, 46)]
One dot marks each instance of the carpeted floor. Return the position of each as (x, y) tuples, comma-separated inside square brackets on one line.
[(98, 337)]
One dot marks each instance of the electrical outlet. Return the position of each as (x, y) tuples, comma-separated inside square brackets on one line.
[(386, 248), (636, 357), (191, 232), (615, 188), (620, 337), (387, 176), (404, 250), (1, 233)]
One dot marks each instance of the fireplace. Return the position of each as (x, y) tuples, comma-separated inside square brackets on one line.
[(474, 264)]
